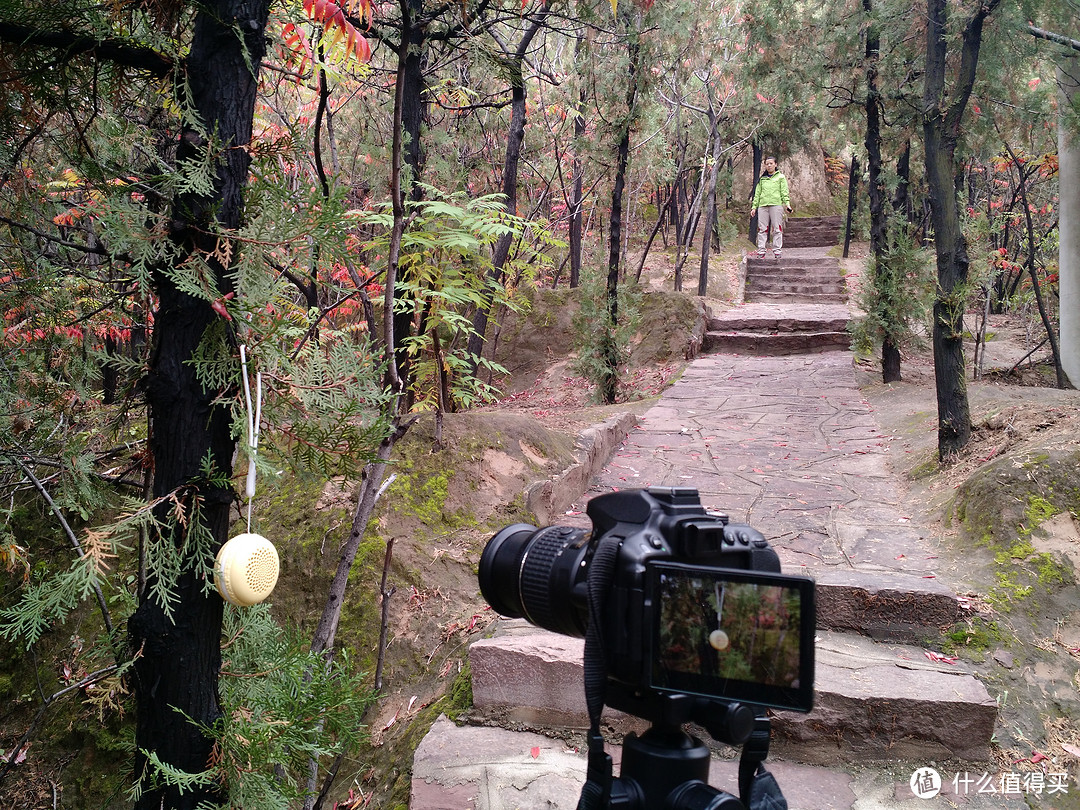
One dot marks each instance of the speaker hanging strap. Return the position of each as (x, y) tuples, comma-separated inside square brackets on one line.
[(254, 418)]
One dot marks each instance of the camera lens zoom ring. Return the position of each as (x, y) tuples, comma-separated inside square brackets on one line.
[(534, 581)]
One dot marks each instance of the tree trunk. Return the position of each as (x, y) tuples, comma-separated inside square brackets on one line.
[(609, 386), (1036, 287), (753, 186), (411, 47), (175, 676), (954, 418), (514, 140), (879, 218), (890, 361), (1068, 74), (852, 195), (578, 201), (879, 223), (941, 129), (661, 208), (901, 201), (710, 204)]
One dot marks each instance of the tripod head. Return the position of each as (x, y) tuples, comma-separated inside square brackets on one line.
[(665, 766)]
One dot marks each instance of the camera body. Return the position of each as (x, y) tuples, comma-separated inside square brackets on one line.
[(692, 604)]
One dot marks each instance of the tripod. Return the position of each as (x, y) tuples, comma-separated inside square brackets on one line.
[(667, 768)]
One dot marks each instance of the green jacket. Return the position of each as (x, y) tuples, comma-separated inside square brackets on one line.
[(771, 190)]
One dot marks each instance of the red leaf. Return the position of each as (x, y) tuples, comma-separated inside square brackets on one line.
[(535, 752), (939, 658), (333, 19)]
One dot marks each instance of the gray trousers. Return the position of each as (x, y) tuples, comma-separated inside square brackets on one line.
[(770, 216)]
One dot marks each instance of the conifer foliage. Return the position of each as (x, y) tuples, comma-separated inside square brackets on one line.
[(132, 261)]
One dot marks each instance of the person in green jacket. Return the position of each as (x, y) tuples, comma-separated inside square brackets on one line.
[(771, 199)]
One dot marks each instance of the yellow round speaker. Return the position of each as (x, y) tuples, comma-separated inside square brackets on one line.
[(246, 569)]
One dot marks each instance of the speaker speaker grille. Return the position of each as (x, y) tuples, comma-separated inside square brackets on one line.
[(246, 569)]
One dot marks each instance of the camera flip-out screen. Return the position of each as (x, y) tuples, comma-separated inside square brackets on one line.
[(732, 634)]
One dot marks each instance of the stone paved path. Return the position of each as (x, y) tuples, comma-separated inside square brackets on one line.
[(787, 445)]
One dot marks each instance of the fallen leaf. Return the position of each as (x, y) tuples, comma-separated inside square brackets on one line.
[(535, 751), (1072, 749), (939, 658)]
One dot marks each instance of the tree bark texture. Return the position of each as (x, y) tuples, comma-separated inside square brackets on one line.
[(610, 384), (852, 194), (411, 46), (1068, 75), (901, 201), (879, 217), (515, 138), (577, 202), (175, 678), (941, 131), (757, 158), (710, 203)]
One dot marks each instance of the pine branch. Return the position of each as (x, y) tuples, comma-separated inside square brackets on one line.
[(102, 604), (109, 50)]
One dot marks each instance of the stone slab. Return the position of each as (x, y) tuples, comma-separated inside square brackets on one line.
[(467, 767), (877, 701), (872, 700), (775, 344)]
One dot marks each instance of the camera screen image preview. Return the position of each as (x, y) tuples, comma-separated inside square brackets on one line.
[(730, 637)]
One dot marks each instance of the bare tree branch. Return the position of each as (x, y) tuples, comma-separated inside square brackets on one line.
[(1050, 36), (110, 50)]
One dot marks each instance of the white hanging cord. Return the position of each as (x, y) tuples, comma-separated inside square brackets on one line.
[(254, 417)]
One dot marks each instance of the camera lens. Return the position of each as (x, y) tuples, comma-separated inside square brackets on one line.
[(532, 573)]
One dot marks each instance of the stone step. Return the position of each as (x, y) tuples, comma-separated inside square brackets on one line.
[(763, 296), (761, 329), (885, 605), (816, 276), (769, 262), (873, 701), (491, 768), (739, 320), (780, 343), (812, 231), (799, 286)]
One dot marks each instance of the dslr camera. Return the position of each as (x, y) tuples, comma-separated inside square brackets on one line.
[(687, 618)]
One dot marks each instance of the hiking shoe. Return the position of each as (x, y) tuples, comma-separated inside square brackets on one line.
[(776, 255), (761, 254)]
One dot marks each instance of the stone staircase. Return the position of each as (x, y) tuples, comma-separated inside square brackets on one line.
[(802, 276), (805, 232), (792, 305), (772, 329), (880, 697), (873, 701)]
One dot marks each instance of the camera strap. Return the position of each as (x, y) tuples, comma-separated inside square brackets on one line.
[(758, 789), (596, 792)]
